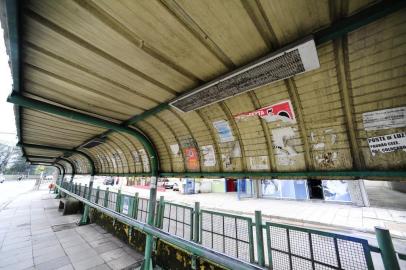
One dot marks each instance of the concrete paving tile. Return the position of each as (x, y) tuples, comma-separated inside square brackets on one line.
[(122, 262), (54, 263), (16, 245), (112, 254), (106, 247), (91, 262), (49, 256), (22, 264), (66, 267), (47, 250)]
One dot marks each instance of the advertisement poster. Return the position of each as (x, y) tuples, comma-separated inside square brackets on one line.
[(224, 131), (259, 163), (384, 119), (387, 143), (283, 144), (271, 188), (192, 158), (336, 190), (209, 157), (280, 111), (126, 203)]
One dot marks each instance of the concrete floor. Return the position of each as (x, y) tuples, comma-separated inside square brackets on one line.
[(384, 197), (34, 235)]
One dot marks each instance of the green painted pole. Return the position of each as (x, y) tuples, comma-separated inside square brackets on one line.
[(196, 223), (96, 200), (160, 215), (106, 197), (135, 210), (118, 201), (388, 253), (260, 238)]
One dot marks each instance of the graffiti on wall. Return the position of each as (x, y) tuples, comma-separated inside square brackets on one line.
[(322, 143)]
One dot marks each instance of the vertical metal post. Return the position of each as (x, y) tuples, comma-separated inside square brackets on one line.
[(71, 182), (150, 220), (96, 200), (85, 191), (106, 197), (260, 238), (118, 201), (80, 189), (135, 207), (388, 253), (161, 211), (196, 223)]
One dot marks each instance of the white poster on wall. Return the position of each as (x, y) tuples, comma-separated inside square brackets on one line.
[(174, 149), (209, 157), (387, 143), (384, 119), (259, 163), (224, 131), (283, 144), (126, 203)]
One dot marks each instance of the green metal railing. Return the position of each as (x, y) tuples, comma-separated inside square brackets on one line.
[(300, 248), (272, 245)]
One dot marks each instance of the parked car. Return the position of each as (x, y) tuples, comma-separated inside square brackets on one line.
[(49, 177), (108, 181), (2, 178), (168, 184)]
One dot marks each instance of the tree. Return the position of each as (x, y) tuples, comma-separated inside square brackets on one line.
[(5, 155)]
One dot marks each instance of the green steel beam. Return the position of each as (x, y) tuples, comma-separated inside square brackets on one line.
[(306, 174), (358, 20), (70, 163), (81, 117), (140, 117), (59, 149), (61, 169)]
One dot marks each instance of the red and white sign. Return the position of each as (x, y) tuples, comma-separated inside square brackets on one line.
[(279, 111)]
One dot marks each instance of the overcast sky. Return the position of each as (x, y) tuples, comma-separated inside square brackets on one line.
[(7, 122)]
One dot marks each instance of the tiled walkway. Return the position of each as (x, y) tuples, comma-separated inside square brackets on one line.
[(34, 235)]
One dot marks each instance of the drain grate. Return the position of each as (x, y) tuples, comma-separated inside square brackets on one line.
[(62, 227)]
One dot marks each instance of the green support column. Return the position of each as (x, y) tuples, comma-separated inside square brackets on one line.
[(96, 200), (160, 215), (388, 253), (260, 238), (135, 207), (85, 217), (196, 223), (106, 197), (118, 201)]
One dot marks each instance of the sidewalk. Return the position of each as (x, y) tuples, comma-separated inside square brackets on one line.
[(34, 235), (306, 213)]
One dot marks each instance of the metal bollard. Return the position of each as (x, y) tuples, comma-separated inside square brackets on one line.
[(388, 253)]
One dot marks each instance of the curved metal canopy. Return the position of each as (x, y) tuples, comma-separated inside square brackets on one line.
[(121, 63)]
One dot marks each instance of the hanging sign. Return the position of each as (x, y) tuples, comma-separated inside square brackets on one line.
[(387, 143), (209, 157), (192, 158), (384, 119), (224, 131), (279, 111)]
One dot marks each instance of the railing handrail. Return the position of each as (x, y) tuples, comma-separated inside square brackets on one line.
[(186, 245)]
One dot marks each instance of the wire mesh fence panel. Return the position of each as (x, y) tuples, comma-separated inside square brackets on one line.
[(178, 220), (112, 200), (101, 197), (93, 195), (82, 191), (291, 247), (228, 234), (127, 204), (142, 210)]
